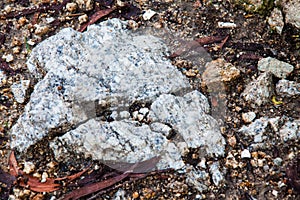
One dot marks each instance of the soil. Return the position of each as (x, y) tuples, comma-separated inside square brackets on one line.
[(242, 46)]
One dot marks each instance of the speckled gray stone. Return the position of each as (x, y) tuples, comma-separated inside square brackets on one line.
[(188, 115), (286, 128), (278, 68), (19, 90), (119, 141), (88, 83), (106, 67), (260, 90), (291, 9), (287, 88), (276, 20)]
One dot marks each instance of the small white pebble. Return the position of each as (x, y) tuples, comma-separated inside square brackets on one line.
[(277, 161), (266, 168), (71, 7), (83, 18), (245, 154), (148, 14), (31, 42), (28, 167), (8, 58), (16, 50), (281, 184), (248, 117), (144, 111), (226, 25), (275, 193), (50, 20), (135, 114), (44, 177), (140, 117), (202, 163), (260, 162)]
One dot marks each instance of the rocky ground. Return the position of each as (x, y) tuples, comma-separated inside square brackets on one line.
[(257, 106)]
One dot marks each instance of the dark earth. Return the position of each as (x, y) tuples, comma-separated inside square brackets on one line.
[(242, 46)]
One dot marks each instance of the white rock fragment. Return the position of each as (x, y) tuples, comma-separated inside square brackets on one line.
[(245, 154), (291, 9), (71, 7), (19, 90), (259, 91), (85, 5), (188, 115), (287, 88), (83, 18), (289, 130), (31, 42), (148, 14), (248, 117), (217, 176), (195, 177), (275, 193), (44, 177), (277, 161), (28, 167), (120, 141), (278, 68), (226, 25), (82, 68), (276, 20), (285, 128), (88, 84), (49, 20), (119, 195), (8, 57), (257, 127)]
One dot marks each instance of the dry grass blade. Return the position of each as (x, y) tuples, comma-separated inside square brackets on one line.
[(89, 189)]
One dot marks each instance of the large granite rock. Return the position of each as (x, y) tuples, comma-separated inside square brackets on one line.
[(89, 87)]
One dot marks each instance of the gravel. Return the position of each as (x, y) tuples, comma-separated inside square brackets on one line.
[(256, 31)]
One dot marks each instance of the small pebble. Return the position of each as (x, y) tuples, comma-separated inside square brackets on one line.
[(83, 18), (275, 193), (28, 167), (226, 25), (277, 161), (245, 154), (8, 58), (44, 177), (144, 111), (248, 117), (71, 7), (16, 50), (148, 14), (41, 30), (260, 162)]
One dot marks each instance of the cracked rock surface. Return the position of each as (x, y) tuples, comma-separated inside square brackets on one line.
[(86, 82)]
